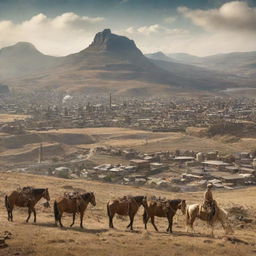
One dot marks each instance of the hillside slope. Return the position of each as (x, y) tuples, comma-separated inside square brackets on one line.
[(97, 239)]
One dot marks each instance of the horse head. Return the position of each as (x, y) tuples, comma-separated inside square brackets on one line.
[(140, 199), (46, 194), (92, 198), (145, 202), (183, 206)]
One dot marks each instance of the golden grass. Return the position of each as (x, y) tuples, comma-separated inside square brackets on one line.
[(7, 118), (44, 239), (149, 141)]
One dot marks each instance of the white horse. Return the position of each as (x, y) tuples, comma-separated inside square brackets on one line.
[(197, 211)]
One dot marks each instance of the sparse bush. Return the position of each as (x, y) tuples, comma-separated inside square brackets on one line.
[(222, 128)]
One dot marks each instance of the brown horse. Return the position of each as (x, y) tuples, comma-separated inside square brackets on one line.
[(167, 208), (28, 197), (126, 206), (76, 204)]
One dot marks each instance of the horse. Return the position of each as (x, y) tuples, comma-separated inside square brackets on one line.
[(28, 197), (160, 208), (75, 204), (126, 206), (198, 211)]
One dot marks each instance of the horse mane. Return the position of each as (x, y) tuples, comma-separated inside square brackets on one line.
[(176, 201), (38, 191), (138, 198), (86, 195)]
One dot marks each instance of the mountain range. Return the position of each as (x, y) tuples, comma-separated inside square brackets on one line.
[(114, 63), (241, 64)]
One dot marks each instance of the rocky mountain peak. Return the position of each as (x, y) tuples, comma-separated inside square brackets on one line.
[(106, 41)]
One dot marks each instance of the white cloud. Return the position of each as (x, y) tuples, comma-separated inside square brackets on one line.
[(232, 27), (59, 36), (235, 16), (154, 30)]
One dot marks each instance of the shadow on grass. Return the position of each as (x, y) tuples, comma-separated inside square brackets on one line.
[(77, 229), (180, 233), (87, 230)]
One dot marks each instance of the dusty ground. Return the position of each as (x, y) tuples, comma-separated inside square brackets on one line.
[(44, 239)]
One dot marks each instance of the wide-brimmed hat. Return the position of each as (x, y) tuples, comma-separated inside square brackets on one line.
[(210, 185)]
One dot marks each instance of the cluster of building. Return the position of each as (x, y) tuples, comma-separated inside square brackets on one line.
[(174, 171), (170, 170), (55, 110)]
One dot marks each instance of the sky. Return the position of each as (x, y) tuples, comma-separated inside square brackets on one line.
[(198, 27)]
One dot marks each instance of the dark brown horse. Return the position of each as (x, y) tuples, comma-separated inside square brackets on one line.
[(126, 206), (167, 209), (27, 197), (74, 204)]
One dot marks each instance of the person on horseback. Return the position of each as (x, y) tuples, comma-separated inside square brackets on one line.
[(209, 202)]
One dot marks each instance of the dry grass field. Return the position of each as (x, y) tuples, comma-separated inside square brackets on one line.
[(62, 142), (148, 141), (45, 239), (7, 118)]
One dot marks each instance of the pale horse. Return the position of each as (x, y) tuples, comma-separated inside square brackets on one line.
[(198, 211)]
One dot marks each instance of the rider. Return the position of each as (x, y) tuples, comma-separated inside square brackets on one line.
[(208, 200)]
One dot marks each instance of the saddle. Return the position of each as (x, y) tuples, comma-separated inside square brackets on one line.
[(212, 205), (72, 195), (25, 195), (25, 190), (125, 199)]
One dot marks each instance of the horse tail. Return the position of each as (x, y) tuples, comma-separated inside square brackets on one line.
[(7, 203), (187, 217), (56, 211), (108, 210), (145, 216)]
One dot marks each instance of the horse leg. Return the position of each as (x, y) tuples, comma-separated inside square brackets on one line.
[(111, 225), (145, 218), (191, 223), (146, 222), (29, 214), (153, 222), (74, 218), (131, 222), (81, 219), (170, 224), (34, 212), (59, 219), (11, 215), (212, 227)]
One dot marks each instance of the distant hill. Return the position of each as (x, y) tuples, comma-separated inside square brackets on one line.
[(239, 63), (110, 63), (23, 59), (159, 56)]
